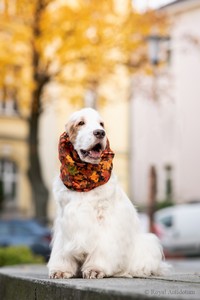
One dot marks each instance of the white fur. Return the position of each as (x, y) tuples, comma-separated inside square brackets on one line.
[(98, 233)]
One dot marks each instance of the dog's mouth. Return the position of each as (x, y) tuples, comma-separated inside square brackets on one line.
[(94, 152)]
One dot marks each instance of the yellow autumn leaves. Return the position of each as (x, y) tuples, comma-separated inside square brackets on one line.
[(77, 43)]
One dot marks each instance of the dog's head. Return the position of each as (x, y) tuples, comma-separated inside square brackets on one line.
[(87, 134)]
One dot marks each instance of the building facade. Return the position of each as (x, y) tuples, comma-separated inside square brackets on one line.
[(15, 196), (165, 130)]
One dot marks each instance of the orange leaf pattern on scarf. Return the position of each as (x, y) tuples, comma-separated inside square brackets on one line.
[(81, 176)]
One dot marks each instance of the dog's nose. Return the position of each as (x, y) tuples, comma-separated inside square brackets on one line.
[(99, 133)]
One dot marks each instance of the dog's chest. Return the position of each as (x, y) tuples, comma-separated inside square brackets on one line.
[(87, 212), (90, 208), (84, 223)]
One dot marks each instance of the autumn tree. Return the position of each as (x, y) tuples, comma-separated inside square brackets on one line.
[(76, 43)]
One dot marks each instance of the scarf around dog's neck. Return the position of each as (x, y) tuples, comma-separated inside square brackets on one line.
[(82, 176)]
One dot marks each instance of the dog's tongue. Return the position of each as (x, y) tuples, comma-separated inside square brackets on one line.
[(95, 154)]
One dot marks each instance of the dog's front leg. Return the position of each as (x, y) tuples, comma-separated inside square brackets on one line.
[(97, 265), (61, 264), (60, 267), (92, 271)]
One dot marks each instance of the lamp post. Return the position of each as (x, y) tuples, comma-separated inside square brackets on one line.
[(152, 196), (154, 43)]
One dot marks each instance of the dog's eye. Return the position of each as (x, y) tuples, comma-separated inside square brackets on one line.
[(81, 123), (102, 124)]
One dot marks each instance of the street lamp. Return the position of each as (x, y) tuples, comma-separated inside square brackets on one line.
[(154, 53), (154, 42)]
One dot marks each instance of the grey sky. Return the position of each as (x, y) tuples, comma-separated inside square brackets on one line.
[(141, 4)]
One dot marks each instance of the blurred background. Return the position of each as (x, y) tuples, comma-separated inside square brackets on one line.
[(137, 63)]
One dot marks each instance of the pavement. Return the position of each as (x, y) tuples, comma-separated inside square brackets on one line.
[(32, 283)]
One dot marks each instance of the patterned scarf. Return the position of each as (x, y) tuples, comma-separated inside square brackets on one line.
[(82, 176)]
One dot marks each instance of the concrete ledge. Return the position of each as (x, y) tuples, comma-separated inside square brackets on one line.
[(32, 283)]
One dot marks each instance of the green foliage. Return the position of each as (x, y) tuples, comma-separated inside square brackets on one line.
[(18, 255), (163, 204)]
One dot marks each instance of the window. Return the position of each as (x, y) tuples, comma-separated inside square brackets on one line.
[(8, 182), (8, 103), (167, 221), (8, 6)]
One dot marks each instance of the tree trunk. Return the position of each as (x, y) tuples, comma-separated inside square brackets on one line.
[(40, 79), (39, 190)]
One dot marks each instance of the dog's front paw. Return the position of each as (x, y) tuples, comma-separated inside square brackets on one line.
[(93, 274), (60, 275)]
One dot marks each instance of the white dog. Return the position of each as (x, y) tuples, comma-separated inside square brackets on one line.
[(97, 232)]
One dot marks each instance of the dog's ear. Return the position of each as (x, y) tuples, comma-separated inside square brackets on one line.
[(71, 130)]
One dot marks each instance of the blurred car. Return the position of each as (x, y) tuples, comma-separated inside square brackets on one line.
[(178, 228), (28, 233)]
